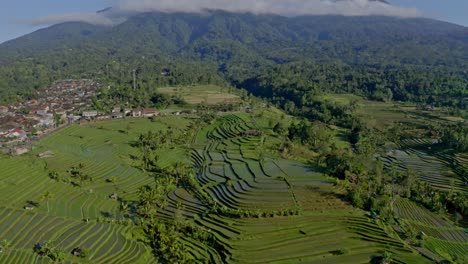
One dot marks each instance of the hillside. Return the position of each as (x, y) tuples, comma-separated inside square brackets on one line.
[(238, 47), (350, 39), (216, 187), (233, 207), (235, 138)]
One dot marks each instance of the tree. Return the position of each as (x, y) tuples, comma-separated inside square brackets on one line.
[(54, 175), (47, 249), (46, 197), (387, 257), (57, 120), (280, 129), (124, 207), (5, 245), (83, 177)]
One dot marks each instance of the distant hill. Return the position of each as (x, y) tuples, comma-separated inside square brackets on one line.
[(227, 40), (49, 39), (351, 39)]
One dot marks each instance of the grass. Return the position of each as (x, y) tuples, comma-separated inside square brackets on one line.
[(104, 148), (383, 114), (437, 166), (327, 223), (230, 169), (441, 236), (209, 94)]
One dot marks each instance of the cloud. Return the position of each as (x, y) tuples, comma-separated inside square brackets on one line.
[(90, 17), (281, 7), (124, 8)]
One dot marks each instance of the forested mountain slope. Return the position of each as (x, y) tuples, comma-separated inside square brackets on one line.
[(350, 39), (236, 46)]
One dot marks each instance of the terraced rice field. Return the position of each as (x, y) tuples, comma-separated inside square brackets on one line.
[(441, 170), (443, 238), (24, 230), (210, 94), (232, 170), (105, 152), (296, 216)]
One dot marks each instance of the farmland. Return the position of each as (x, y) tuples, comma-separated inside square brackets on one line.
[(437, 234), (104, 151), (286, 204), (383, 114), (259, 206), (442, 167), (209, 94), (439, 168)]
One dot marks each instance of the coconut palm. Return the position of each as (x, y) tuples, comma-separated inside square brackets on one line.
[(124, 208), (5, 245), (46, 197)]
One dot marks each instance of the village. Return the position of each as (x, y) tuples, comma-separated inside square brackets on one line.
[(65, 102)]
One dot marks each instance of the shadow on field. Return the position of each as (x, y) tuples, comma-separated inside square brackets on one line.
[(33, 203), (314, 167), (334, 195), (107, 214), (133, 143), (377, 260)]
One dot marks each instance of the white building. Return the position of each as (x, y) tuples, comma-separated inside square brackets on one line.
[(90, 114), (149, 112), (3, 109), (136, 113), (42, 110)]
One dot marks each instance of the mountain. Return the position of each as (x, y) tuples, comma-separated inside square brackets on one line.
[(351, 39), (242, 45), (49, 39), (380, 1)]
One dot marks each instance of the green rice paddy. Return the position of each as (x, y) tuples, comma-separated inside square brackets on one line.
[(297, 217)]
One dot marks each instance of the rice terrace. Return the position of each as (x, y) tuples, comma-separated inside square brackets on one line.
[(215, 188), (238, 132)]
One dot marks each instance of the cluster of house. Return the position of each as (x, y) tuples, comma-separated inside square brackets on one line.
[(118, 113), (52, 105), (65, 101)]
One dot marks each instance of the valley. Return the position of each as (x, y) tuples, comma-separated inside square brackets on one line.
[(280, 132), (245, 201)]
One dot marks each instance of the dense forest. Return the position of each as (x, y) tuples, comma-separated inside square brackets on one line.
[(290, 59)]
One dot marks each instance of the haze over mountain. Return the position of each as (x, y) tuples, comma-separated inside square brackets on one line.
[(126, 8)]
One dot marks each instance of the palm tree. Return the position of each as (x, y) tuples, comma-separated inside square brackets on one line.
[(5, 245), (123, 208), (84, 177), (387, 257), (46, 197)]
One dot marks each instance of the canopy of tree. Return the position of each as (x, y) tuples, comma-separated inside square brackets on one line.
[(381, 57)]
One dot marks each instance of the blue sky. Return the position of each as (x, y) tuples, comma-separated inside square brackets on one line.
[(455, 11), (16, 15)]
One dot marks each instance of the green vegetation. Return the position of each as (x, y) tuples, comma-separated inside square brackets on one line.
[(367, 163), (72, 213), (288, 59), (243, 206), (339, 186), (206, 94)]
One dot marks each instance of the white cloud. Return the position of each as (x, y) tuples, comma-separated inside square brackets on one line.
[(123, 8), (281, 7), (91, 17)]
